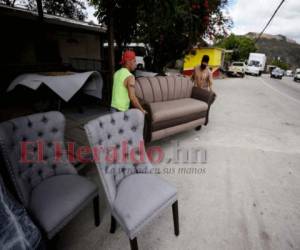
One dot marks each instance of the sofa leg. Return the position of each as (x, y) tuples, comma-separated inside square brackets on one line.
[(113, 225), (96, 211), (134, 244), (175, 217), (198, 128)]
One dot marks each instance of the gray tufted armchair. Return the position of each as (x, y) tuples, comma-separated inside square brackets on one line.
[(49, 187), (135, 196)]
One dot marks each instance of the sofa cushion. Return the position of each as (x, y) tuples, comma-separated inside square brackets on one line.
[(172, 113), (55, 200), (141, 197)]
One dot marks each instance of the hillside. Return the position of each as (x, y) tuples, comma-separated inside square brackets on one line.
[(279, 46)]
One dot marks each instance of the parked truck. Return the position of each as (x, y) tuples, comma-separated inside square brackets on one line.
[(237, 69), (256, 64)]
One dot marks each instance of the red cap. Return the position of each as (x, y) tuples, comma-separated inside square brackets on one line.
[(127, 56)]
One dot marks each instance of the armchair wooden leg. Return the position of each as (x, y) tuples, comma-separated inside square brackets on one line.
[(175, 217), (134, 244), (53, 243), (113, 225), (96, 211)]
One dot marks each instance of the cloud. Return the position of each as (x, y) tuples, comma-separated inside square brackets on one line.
[(252, 16)]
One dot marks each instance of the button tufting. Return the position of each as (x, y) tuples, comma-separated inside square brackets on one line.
[(54, 130), (130, 142), (108, 136), (100, 141), (29, 124), (133, 129), (117, 146), (100, 124), (112, 121), (126, 117), (40, 133), (121, 131), (44, 119)]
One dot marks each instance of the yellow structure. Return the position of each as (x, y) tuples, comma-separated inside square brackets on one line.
[(193, 59)]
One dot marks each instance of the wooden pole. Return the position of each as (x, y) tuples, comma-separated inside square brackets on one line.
[(111, 49), (40, 9)]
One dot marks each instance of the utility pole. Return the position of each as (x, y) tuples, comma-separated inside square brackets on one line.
[(111, 48), (40, 9)]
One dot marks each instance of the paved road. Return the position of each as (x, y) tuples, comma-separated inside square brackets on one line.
[(248, 197), (287, 87)]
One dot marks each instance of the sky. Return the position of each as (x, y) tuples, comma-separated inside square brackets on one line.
[(253, 15), (90, 13)]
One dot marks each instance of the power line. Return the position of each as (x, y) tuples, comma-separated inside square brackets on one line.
[(279, 6)]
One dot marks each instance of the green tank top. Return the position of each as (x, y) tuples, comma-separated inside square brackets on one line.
[(120, 98)]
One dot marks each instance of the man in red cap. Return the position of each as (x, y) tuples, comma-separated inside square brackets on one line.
[(123, 92)]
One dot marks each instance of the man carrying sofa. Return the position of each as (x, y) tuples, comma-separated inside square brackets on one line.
[(202, 76), (123, 92)]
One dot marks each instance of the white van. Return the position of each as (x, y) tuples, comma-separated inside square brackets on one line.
[(256, 64), (140, 51)]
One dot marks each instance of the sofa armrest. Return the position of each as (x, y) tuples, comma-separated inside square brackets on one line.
[(148, 120), (203, 95)]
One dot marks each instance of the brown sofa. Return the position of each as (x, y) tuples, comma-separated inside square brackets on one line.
[(173, 105)]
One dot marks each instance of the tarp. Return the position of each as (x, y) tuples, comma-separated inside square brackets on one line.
[(64, 85)]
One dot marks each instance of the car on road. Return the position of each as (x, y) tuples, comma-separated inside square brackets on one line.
[(297, 77), (289, 73), (237, 69), (277, 73)]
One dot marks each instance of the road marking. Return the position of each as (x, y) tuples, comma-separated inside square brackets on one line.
[(279, 92)]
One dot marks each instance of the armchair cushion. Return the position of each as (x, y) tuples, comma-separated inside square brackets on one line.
[(55, 201), (141, 197)]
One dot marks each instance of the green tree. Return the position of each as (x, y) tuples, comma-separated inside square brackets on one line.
[(66, 8), (241, 46), (11, 3), (170, 27), (281, 64)]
